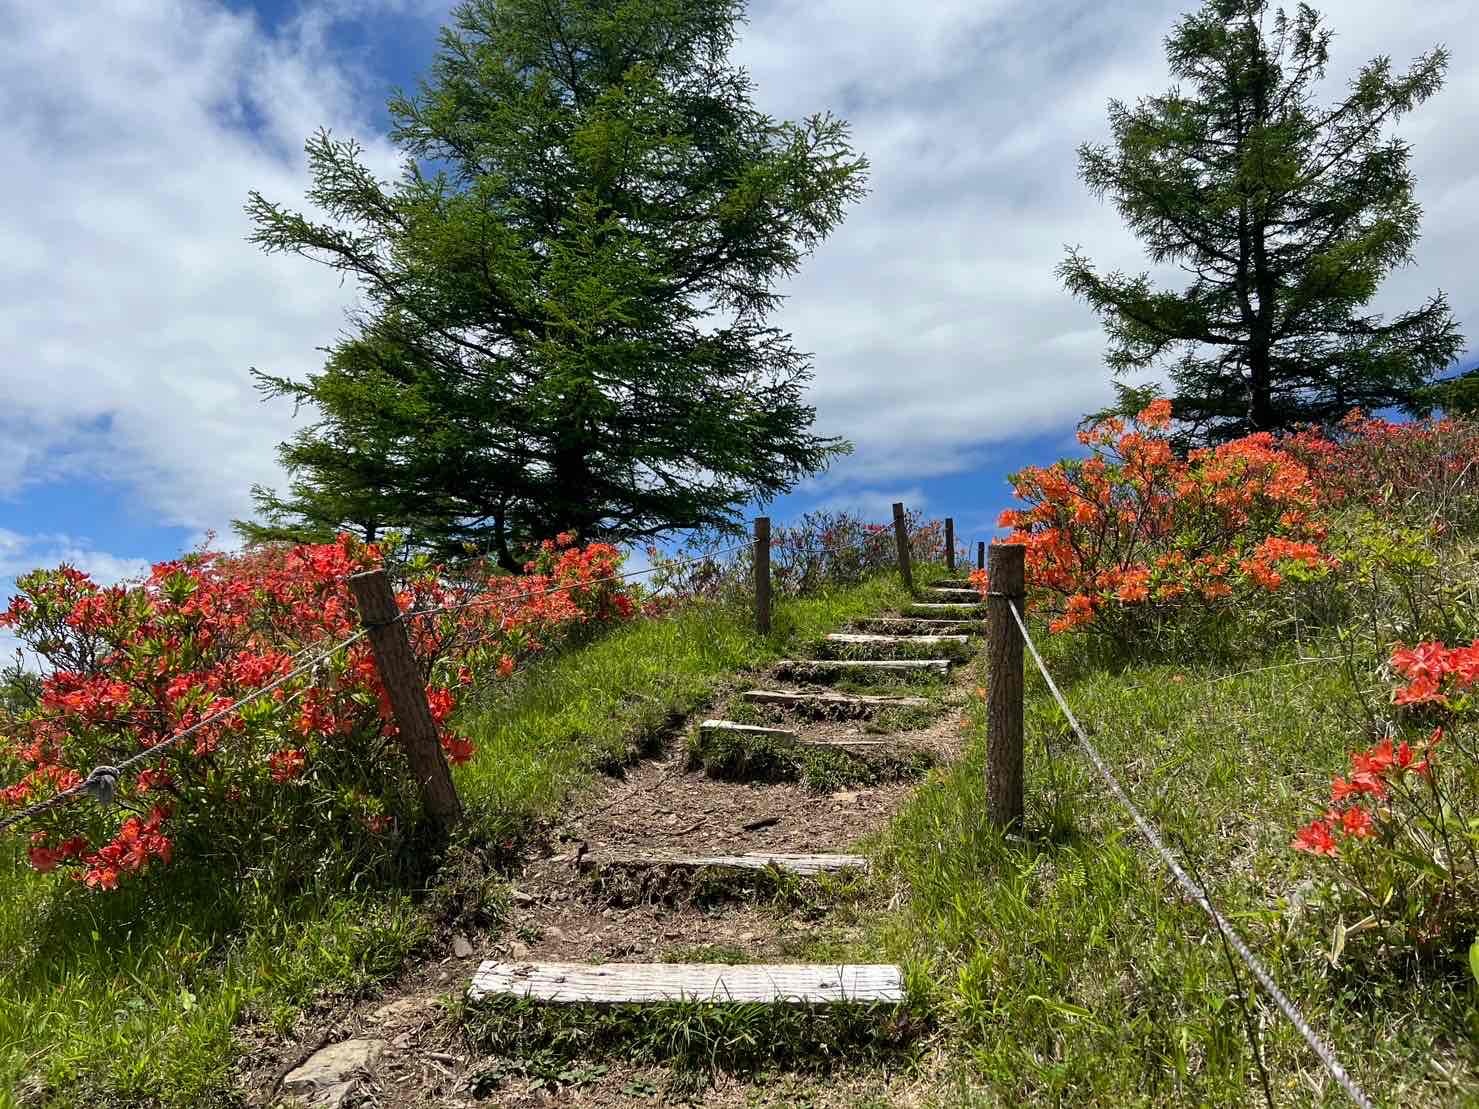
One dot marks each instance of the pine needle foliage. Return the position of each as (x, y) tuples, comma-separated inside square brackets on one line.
[(566, 292)]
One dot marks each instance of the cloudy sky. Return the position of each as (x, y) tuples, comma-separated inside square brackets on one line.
[(131, 306)]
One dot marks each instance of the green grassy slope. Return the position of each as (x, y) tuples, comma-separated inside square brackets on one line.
[(1067, 968)]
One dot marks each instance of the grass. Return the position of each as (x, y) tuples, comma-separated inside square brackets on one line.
[(601, 706), (136, 997), (1065, 968)]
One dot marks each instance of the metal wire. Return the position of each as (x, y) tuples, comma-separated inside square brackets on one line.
[(1197, 893), (102, 782)]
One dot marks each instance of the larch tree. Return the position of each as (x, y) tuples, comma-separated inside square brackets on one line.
[(566, 292), (1285, 214)]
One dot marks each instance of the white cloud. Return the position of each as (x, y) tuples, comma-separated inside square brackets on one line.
[(131, 306)]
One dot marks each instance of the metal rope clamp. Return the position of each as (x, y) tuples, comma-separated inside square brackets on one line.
[(102, 784)]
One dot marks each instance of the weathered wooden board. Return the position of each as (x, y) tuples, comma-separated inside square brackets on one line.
[(805, 866), (871, 640), (936, 608), (841, 665), (731, 727), (918, 625), (742, 731), (960, 596), (829, 700), (650, 983)]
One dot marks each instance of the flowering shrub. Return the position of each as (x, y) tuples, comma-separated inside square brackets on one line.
[(132, 666), (1394, 830), (1133, 532), (1425, 472)]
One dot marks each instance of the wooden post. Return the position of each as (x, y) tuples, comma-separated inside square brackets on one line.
[(762, 574), (950, 543), (981, 556), (901, 540), (1004, 804), (407, 691)]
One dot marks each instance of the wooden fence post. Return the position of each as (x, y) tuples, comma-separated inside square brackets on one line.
[(406, 688), (981, 556), (950, 543), (762, 574), (1004, 805), (901, 540)]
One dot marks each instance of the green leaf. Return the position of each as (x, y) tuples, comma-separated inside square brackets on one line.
[(1474, 959)]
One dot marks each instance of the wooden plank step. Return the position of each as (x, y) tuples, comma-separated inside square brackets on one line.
[(804, 866), (937, 609), (959, 596), (715, 983), (918, 625), (882, 646), (837, 702), (864, 639), (717, 728), (822, 669)]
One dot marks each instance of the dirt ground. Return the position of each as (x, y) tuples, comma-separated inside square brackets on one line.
[(659, 805)]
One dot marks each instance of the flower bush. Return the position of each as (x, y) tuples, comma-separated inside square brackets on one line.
[(1394, 832), (1133, 533), (129, 667)]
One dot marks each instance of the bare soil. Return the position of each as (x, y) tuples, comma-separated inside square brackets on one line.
[(662, 805)]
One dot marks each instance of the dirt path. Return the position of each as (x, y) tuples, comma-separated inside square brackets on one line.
[(662, 804)]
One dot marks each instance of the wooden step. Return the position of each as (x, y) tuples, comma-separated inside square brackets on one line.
[(954, 645), (917, 625), (937, 609), (830, 669), (830, 704), (951, 583), (714, 983), (718, 729), (803, 866), (957, 596)]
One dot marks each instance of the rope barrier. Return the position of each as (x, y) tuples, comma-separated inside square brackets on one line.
[(1197, 893), (102, 782)]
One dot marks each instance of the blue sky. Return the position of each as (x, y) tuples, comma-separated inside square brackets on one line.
[(131, 306)]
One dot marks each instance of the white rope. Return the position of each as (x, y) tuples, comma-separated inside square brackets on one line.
[(1197, 894)]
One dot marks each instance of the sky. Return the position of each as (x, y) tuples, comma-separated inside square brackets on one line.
[(132, 305)]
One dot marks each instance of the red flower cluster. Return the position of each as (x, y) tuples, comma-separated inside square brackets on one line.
[(1135, 528), (1374, 774), (1435, 674), (131, 667)]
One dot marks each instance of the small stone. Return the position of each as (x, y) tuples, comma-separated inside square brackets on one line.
[(402, 1041), (555, 933), (461, 948), (846, 797), (518, 951), (521, 898), (330, 1074)]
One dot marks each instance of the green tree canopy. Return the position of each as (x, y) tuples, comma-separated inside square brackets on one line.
[(1285, 214), (566, 291)]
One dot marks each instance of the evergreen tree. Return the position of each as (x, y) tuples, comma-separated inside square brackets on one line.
[(566, 290), (1286, 215)]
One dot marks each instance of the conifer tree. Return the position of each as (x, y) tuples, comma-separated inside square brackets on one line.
[(1285, 214), (567, 290)]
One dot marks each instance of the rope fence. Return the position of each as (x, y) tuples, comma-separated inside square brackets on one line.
[(1004, 761), (382, 626), (1006, 636)]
